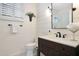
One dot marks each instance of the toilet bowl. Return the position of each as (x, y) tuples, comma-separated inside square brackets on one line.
[(30, 49)]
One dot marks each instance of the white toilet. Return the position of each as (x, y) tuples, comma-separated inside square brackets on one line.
[(30, 48)]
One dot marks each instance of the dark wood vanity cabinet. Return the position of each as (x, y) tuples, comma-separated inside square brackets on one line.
[(50, 48)]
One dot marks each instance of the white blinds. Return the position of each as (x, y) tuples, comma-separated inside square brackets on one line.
[(11, 10)]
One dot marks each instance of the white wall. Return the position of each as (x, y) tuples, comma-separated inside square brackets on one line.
[(44, 21), (76, 12), (13, 44), (45, 25)]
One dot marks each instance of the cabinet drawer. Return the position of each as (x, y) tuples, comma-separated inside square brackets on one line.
[(67, 50)]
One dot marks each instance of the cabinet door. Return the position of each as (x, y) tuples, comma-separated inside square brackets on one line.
[(68, 50), (42, 46), (50, 48), (60, 49)]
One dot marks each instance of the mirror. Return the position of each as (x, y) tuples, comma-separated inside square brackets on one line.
[(61, 15)]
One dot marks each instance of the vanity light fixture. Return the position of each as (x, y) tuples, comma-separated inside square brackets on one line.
[(73, 9), (49, 8), (48, 13), (30, 14), (51, 12)]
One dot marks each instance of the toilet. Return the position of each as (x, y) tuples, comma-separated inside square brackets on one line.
[(30, 49)]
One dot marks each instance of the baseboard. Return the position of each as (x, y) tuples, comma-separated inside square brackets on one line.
[(18, 53)]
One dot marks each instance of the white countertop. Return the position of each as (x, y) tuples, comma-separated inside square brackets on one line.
[(60, 40)]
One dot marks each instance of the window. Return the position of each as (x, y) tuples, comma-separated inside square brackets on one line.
[(12, 11)]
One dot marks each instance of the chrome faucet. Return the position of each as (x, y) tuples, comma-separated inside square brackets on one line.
[(64, 35), (56, 34), (59, 34)]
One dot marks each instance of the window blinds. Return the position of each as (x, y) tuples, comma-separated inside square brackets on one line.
[(11, 10)]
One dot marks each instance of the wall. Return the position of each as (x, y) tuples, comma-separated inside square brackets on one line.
[(44, 20), (14, 44), (76, 12), (43, 23)]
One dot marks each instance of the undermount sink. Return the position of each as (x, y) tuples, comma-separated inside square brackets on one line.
[(53, 36)]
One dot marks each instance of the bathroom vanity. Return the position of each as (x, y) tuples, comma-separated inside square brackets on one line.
[(57, 47)]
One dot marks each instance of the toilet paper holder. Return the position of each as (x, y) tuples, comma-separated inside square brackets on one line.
[(11, 25)]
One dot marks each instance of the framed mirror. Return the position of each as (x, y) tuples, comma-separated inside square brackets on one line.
[(62, 15)]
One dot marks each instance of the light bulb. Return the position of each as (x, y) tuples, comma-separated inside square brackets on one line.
[(48, 12)]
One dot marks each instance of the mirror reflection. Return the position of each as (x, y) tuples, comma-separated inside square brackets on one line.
[(61, 15)]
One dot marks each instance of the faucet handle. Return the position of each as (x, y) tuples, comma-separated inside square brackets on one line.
[(56, 34), (64, 35)]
